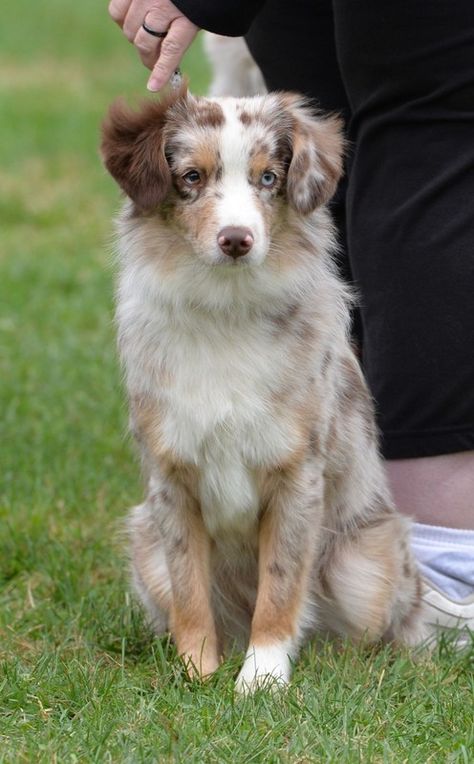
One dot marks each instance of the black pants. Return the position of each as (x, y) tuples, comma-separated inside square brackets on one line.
[(402, 73)]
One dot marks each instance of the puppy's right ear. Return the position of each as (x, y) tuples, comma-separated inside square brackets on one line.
[(133, 149)]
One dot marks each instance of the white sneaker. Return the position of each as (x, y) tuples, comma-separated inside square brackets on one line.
[(443, 613)]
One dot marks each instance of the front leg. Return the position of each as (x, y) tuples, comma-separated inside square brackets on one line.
[(187, 550), (185, 595), (288, 536)]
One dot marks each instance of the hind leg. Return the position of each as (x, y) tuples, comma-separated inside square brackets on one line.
[(150, 573), (371, 586)]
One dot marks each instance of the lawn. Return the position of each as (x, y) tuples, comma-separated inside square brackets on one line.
[(81, 678)]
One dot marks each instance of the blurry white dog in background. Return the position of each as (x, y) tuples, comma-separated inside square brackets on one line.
[(234, 72)]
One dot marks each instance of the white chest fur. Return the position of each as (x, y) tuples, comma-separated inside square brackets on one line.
[(214, 380)]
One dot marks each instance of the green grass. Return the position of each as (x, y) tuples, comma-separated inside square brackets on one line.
[(81, 679)]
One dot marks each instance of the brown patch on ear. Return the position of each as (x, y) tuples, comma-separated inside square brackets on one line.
[(317, 156), (133, 149), (328, 135)]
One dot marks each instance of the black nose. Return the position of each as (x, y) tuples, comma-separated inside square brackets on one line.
[(235, 241)]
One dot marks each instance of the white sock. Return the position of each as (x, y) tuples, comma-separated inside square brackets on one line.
[(446, 558)]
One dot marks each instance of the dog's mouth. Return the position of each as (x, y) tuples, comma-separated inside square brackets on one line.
[(230, 263), (242, 262)]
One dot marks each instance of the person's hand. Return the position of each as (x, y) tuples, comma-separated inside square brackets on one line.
[(162, 54)]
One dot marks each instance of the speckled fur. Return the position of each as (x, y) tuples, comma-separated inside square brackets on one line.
[(267, 514)]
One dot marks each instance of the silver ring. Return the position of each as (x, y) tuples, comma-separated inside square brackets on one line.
[(153, 32)]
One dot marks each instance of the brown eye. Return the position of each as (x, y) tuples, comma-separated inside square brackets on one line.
[(192, 177), (268, 179)]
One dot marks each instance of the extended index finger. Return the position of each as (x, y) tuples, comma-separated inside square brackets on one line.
[(180, 36)]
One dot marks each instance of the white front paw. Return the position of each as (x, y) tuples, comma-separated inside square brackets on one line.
[(265, 666)]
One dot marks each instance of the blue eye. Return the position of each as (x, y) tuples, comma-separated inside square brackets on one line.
[(192, 177), (268, 179)]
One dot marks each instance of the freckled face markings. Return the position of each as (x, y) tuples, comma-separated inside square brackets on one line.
[(224, 143), (201, 157), (192, 146), (236, 168)]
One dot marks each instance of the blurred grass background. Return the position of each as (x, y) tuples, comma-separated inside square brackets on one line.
[(80, 677)]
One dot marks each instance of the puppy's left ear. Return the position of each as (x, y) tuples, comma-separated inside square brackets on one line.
[(133, 148), (316, 164)]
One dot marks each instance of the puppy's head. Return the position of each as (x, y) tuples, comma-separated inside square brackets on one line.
[(223, 171)]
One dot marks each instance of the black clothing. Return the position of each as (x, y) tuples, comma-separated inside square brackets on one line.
[(227, 17)]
